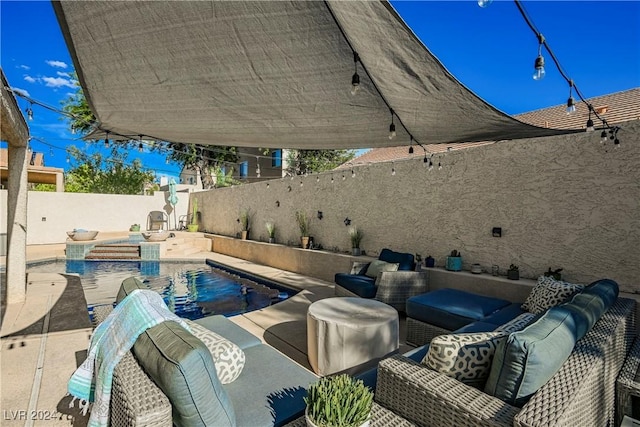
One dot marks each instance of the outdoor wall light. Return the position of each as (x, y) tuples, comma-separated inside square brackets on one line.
[(320, 215), (347, 221), (277, 203)]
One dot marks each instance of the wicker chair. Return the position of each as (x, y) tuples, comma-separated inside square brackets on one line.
[(581, 393), (628, 384), (392, 287)]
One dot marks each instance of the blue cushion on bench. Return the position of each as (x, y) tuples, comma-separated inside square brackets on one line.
[(404, 260), (363, 286), (452, 309)]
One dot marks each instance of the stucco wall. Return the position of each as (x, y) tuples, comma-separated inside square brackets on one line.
[(51, 215), (564, 201)]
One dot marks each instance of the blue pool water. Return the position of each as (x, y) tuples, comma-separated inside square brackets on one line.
[(191, 290)]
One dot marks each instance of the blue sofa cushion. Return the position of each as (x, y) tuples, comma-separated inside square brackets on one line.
[(452, 309), (404, 260), (479, 326), (589, 305), (505, 314), (527, 359), (362, 286)]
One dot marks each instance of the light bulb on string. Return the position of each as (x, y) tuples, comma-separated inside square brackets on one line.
[(430, 165), (258, 168), (484, 3), (355, 79), (571, 104), (393, 170), (29, 112), (538, 65), (590, 126), (439, 165), (343, 177), (603, 136), (68, 159), (106, 140), (411, 145), (317, 178), (332, 179), (353, 173), (140, 146), (425, 161), (392, 128), (51, 151)]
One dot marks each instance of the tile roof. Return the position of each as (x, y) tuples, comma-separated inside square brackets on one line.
[(614, 108)]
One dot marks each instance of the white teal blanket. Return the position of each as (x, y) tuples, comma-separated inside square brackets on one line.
[(91, 382)]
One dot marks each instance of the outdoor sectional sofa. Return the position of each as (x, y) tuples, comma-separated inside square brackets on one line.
[(576, 350), (375, 280), (268, 391)]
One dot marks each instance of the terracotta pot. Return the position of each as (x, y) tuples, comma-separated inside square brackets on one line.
[(305, 242)]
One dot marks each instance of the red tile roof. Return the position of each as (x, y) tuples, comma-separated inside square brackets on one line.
[(614, 108)]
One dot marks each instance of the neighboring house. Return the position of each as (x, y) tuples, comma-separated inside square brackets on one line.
[(272, 165), (615, 108), (37, 172)]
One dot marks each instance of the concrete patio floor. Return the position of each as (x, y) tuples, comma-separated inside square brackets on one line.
[(45, 338)]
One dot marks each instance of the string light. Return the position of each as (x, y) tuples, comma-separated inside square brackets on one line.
[(571, 105), (538, 65), (29, 112), (393, 169), (258, 167), (106, 140), (411, 146), (140, 147), (439, 165), (355, 79), (590, 126), (392, 127), (353, 173), (484, 3)]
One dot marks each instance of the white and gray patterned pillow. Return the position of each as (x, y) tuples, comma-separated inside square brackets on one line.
[(228, 358), (549, 292), (465, 357), (517, 324)]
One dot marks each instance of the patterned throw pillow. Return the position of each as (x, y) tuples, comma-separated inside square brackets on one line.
[(465, 357), (549, 292), (228, 358), (378, 266)]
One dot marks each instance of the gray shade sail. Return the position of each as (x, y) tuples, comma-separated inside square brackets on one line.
[(272, 74)]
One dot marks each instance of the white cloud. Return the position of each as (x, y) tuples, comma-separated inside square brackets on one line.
[(58, 82), (30, 79), (57, 64), (21, 91), (24, 67), (62, 74)]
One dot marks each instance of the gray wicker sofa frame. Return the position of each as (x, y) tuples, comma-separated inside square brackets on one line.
[(581, 393)]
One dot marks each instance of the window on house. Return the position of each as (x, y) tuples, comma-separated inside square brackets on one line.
[(276, 158), (244, 169)]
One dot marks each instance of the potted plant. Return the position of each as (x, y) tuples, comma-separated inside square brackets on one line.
[(356, 237), (454, 261), (430, 261), (556, 274), (513, 272), (338, 401), (244, 223), (134, 227), (271, 231), (302, 219), (193, 227)]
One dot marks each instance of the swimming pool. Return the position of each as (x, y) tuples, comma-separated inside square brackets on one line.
[(191, 290)]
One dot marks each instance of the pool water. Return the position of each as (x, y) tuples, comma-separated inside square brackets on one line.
[(191, 290)]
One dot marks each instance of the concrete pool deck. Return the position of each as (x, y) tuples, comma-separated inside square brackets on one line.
[(45, 338)]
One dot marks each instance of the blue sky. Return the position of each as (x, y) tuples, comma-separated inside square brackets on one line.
[(489, 50)]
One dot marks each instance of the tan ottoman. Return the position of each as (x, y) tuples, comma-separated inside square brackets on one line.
[(345, 332)]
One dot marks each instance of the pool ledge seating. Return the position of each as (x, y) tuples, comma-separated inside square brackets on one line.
[(186, 391)]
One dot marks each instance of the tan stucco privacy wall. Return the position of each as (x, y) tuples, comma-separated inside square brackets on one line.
[(51, 215), (562, 202)]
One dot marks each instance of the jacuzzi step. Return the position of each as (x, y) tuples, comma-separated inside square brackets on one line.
[(112, 257)]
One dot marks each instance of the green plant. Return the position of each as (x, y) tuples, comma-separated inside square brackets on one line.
[(514, 267), (271, 229), (302, 219), (245, 216), (339, 401), (194, 216), (455, 254), (556, 274), (356, 236)]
